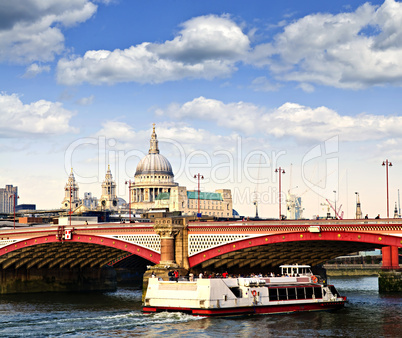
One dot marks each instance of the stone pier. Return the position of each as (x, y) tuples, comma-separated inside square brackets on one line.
[(174, 249), (390, 281)]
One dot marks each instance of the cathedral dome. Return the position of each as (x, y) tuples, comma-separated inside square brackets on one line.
[(154, 163)]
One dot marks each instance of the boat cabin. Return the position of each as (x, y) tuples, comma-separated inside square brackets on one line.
[(295, 270)]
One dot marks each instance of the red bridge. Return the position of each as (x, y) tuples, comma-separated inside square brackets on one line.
[(198, 245)]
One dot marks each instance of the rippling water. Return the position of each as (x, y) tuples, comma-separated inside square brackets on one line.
[(118, 314)]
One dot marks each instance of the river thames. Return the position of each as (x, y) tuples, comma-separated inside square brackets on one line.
[(118, 314)]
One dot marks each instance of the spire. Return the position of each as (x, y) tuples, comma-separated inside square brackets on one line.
[(108, 176), (153, 149), (71, 178), (358, 207)]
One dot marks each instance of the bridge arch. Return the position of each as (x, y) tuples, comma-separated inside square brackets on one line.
[(291, 247), (80, 251)]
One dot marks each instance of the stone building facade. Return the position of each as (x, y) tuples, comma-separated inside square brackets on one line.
[(8, 196), (154, 187), (108, 200), (154, 175), (71, 194)]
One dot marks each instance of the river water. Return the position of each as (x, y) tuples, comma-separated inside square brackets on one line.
[(118, 314)]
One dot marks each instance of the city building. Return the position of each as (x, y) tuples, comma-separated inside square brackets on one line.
[(25, 207), (89, 202), (71, 199), (8, 196), (218, 203), (154, 175), (154, 187), (294, 208), (108, 200)]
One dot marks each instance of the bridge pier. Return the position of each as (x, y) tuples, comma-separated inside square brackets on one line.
[(390, 281), (390, 258), (174, 249)]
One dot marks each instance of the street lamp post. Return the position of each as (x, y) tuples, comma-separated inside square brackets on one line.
[(280, 171), (199, 177), (387, 164), (129, 199)]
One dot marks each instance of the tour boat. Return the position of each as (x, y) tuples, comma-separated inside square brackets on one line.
[(296, 290)]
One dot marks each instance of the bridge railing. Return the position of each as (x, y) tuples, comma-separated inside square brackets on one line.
[(104, 227), (298, 223)]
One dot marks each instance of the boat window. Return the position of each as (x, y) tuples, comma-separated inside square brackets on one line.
[(237, 292), (318, 292), (309, 293), (273, 294), (291, 293), (282, 294), (300, 293), (334, 291)]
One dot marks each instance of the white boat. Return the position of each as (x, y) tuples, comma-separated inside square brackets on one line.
[(296, 290)]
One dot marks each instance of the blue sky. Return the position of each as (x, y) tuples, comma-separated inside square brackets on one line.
[(236, 90)]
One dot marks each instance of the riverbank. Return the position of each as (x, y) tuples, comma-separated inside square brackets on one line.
[(352, 269)]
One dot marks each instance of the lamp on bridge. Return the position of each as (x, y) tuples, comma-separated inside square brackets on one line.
[(129, 199), (199, 176), (280, 171), (387, 164)]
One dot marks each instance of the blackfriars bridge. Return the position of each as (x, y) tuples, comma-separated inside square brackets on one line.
[(191, 245)]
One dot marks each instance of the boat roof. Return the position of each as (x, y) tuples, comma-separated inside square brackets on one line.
[(295, 266)]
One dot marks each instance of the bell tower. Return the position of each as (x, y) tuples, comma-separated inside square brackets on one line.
[(71, 193), (108, 200)]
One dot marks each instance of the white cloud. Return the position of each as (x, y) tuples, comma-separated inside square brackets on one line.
[(40, 117), (347, 50), (205, 38), (238, 116), (389, 146), (29, 29), (85, 101), (262, 84), (207, 47), (177, 141), (35, 69), (290, 119)]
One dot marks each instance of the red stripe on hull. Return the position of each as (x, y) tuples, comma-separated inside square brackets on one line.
[(269, 309)]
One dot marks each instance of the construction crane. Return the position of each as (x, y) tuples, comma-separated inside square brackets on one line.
[(336, 211)]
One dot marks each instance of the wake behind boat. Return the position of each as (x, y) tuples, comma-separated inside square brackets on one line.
[(296, 290)]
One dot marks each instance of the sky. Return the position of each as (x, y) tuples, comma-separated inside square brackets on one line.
[(238, 90)]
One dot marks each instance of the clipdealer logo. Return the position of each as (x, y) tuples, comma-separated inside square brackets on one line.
[(327, 154)]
